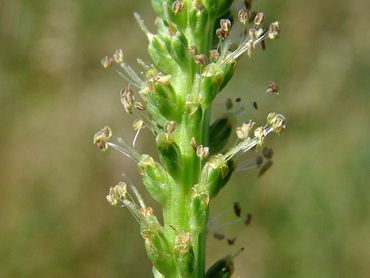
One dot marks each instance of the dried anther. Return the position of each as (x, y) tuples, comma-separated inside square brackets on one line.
[(237, 209), (255, 106), (231, 241), (200, 59), (267, 152), (272, 87), (265, 168), (248, 219), (218, 236)]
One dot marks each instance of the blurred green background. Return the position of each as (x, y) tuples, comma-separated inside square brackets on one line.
[(311, 211)]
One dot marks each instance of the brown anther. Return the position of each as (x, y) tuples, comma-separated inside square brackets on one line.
[(238, 99), (267, 152), (231, 241), (263, 45), (265, 168), (248, 219), (218, 236), (255, 106), (237, 209), (259, 160), (177, 6), (200, 59), (272, 87), (221, 34)]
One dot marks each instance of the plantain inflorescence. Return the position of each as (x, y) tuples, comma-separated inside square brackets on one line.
[(194, 53)]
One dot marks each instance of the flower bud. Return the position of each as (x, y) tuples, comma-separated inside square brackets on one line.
[(244, 130), (276, 121), (106, 62), (225, 24)]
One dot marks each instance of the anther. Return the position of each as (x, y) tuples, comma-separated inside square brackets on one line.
[(202, 152), (127, 99), (244, 16), (177, 6), (267, 152), (106, 62), (258, 19), (248, 219), (272, 88), (200, 59), (237, 209), (118, 56), (225, 24), (170, 126), (231, 241), (274, 30), (214, 55)]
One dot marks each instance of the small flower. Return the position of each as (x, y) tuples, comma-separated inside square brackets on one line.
[(101, 138), (117, 193), (276, 122), (244, 130)]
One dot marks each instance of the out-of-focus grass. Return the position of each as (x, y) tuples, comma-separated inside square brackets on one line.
[(310, 212)]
